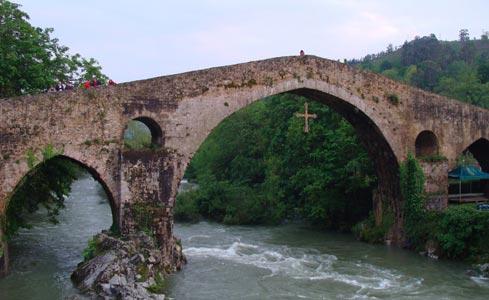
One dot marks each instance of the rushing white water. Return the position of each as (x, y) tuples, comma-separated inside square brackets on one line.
[(292, 262), (237, 262)]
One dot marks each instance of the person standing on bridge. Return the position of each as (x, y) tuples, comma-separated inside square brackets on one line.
[(94, 81)]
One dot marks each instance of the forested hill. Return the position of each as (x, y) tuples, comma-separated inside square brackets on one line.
[(457, 69)]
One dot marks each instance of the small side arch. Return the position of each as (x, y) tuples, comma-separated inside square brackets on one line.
[(480, 151), (154, 129), (426, 144)]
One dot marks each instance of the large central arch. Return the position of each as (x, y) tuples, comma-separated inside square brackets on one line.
[(387, 194)]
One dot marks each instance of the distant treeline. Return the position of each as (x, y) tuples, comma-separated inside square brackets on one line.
[(457, 69)]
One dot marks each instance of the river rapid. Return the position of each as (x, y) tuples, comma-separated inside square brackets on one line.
[(237, 262)]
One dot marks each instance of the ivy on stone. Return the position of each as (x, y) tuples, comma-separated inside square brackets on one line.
[(412, 189)]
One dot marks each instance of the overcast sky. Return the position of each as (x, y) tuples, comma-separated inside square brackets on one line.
[(141, 39)]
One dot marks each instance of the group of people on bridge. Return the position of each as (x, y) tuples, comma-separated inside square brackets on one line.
[(94, 82)]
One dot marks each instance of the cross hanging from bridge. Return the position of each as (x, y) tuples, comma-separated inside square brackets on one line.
[(306, 117)]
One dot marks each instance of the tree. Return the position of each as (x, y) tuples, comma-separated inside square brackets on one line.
[(385, 65), (483, 71), (31, 60), (485, 36), (464, 35), (427, 74), (420, 49), (467, 52)]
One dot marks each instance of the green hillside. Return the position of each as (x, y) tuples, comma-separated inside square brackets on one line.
[(457, 69)]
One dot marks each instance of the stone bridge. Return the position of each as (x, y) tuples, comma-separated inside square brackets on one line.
[(87, 126)]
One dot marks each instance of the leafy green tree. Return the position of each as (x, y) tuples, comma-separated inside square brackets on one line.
[(464, 35), (468, 51), (467, 87), (421, 49), (31, 60), (427, 75), (385, 65), (483, 70)]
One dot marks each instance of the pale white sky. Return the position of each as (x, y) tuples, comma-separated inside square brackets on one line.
[(141, 39)]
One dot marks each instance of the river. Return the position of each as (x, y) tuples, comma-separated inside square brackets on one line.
[(237, 262)]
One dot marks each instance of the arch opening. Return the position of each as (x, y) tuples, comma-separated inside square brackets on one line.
[(46, 186), (480, 150), (426, 144), (143, 132), (50, 216), (477, 156), (369, 135)]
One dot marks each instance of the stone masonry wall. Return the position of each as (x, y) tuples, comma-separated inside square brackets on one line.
[(147, 178), (436, 184)]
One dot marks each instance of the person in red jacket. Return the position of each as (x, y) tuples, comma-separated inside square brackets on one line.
[(86, 84)]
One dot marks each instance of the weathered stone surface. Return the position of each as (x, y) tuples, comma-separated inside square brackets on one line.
[(436, 183), (88, 125), (124, 269)]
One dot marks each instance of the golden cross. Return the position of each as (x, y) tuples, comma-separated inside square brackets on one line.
[(306, 117)]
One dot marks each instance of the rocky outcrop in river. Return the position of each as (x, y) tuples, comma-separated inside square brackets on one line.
[(128, 268)]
